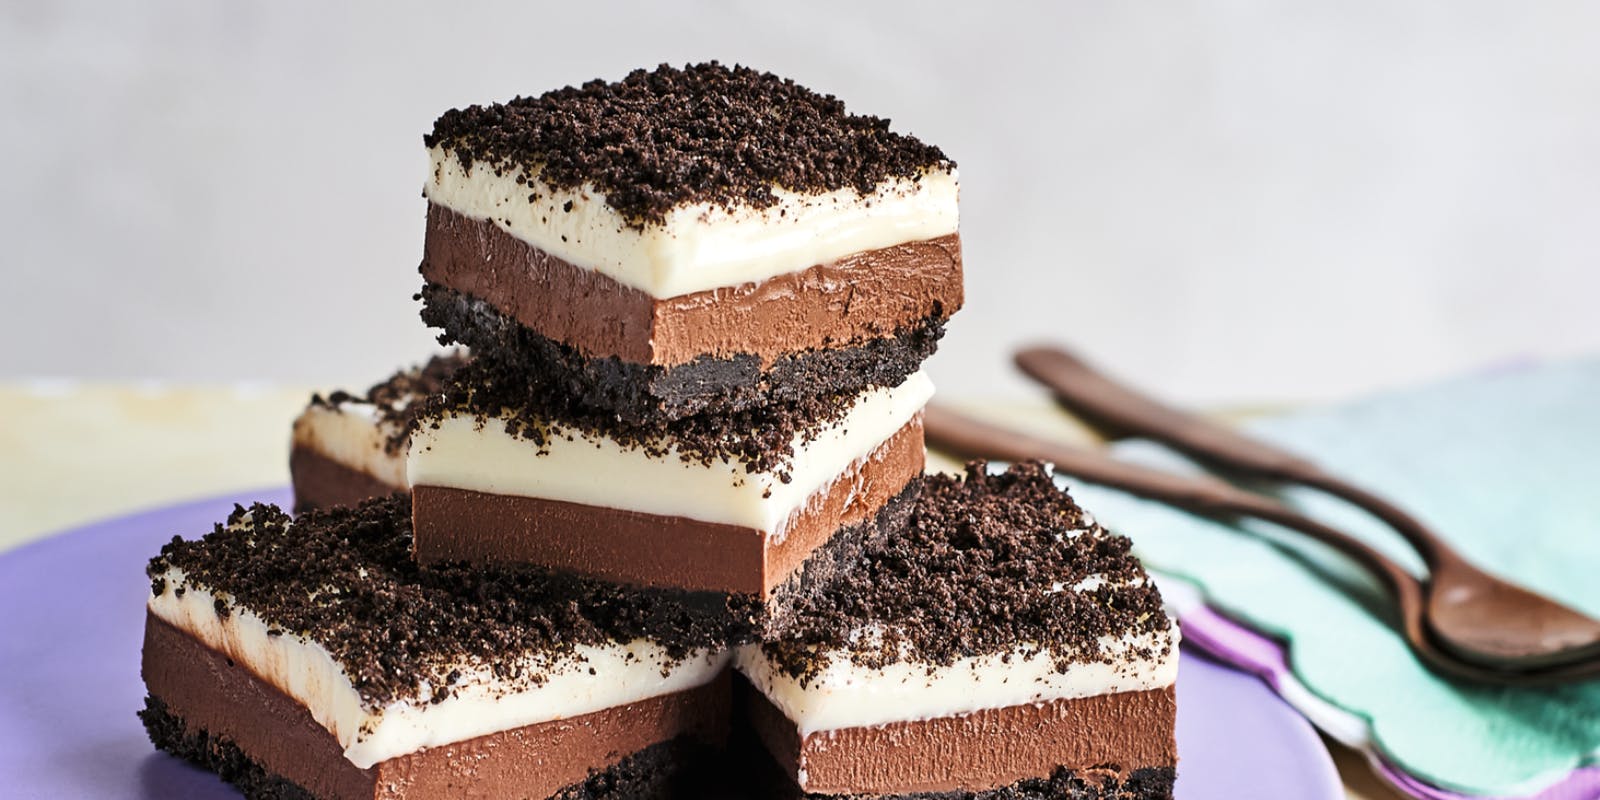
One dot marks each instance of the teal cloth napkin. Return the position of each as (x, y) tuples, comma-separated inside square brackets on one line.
[(1507, 466)]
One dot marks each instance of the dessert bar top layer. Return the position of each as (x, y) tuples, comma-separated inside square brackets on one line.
[(705, 133), (331, 610), (847, 695), (1000, 591), (988, 563), (751, 469), (675, 181)]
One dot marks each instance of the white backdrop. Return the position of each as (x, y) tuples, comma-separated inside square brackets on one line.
[(1229, 201)]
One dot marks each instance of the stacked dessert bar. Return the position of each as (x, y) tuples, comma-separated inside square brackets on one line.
[(1002, 646), (312, 658), (687, 444), (690, 241), (697, 301)]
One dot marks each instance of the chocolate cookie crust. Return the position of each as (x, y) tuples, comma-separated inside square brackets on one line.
[(647, 395), (705, 133), (977, 571), (392, 625), (1145, 783)]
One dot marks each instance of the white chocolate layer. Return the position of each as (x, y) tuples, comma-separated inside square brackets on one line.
[(700, 246), (845, 695), (461, 453), (352, 434), (589, 680)]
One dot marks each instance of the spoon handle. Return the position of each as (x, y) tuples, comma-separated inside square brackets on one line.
[(1113, 406), (1201, 494)]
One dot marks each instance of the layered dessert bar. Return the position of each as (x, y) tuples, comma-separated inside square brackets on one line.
[(312, 658), (347, 448), (1005, 646), (747, 510), (686, 241)]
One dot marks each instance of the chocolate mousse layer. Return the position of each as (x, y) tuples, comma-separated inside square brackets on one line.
[(1121, 739), (868, 319), (207, 709), (321, 482), (652, 550)]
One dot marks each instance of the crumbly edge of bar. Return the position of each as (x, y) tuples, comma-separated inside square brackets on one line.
[(645, 394), (839, 556), (971, 574)]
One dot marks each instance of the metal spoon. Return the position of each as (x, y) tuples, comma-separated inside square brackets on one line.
[(960, 435), (1476, 616)]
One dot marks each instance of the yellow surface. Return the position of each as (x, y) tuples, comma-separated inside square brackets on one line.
[(73, 453)]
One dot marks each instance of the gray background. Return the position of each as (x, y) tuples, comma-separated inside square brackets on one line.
[(1229, 201)]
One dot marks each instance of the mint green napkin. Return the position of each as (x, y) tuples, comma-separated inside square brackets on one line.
[(1507, 465)]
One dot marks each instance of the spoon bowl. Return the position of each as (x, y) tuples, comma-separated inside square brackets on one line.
[(1471, 613)]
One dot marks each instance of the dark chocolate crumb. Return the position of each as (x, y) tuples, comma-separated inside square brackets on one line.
[(760, 438), (398, 396), (344, 578), (977, 572), (709, 384), (704, 133)]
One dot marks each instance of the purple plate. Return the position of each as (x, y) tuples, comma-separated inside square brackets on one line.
[(69, 682)]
